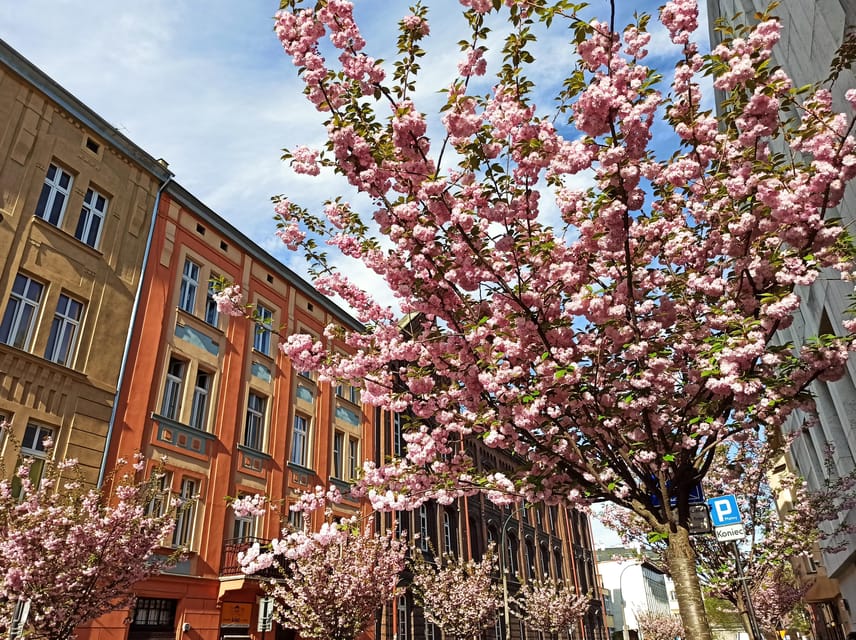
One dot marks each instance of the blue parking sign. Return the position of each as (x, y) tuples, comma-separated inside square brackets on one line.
[(724, 511)]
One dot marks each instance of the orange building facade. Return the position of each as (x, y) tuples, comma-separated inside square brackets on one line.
[(215, 397)]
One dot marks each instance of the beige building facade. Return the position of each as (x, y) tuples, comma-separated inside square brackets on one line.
[(76, 206)]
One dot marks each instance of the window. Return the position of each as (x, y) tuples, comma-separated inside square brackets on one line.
[(511, 549), (189, 285), (21, 311), (338, 445), (261, 340), (33, 446), (397, 436), (19, 619), (424, 540), (160, 498), (154, 613), (244, 528), (340, 390), (255, 426), (171, 405), (54, 195), (429, 630), (183, 532), (199, 406), (91, 218), (211, 314), (300, 440), (402, 618), (354, 457), (64, 327), (530, 559), (449, 541), (295, 519)]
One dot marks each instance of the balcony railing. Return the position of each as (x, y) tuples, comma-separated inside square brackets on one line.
[(231, 566)]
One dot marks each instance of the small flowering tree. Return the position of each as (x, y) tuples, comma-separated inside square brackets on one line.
[(777, 601), (68, 553), (331, 582), (461, 597), (550, 606), (660, 626)]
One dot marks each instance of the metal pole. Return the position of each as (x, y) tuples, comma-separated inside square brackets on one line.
[(625, 630), (506, 612), (750, 609)]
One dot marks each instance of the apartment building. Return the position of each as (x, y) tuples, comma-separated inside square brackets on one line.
[(533, 541), (812, 31), (76, 203), (215, 397)]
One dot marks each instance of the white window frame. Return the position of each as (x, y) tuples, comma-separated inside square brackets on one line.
[(199, 402), (402, 632), (212, 316), (19, 619), (51, 190), (353, 457), (185, 519), (354, 394), (299, 453), (93, 211), (32, 446), (339, 454), (22, 310), (424, 540), (189, 286), (447, 532), (261, 338), (254, 425), (173, 389), (64, 330)]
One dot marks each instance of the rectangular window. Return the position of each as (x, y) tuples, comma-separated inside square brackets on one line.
[(353, 394), (189, 285), (338, 453), (424, 540), (299, 440), (182, 535), (261, 340), (19, 619), (154, 613), (295, 519), (402, 618), (54, 195), (160, 498), (19, 319), (33, 447), (199, 406), (244, 528), (171, 405), (254, 432), (353, 457), (63, 336), (211, 314), (91, 218)]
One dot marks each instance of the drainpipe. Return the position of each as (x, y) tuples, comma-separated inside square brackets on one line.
[(126, 352)]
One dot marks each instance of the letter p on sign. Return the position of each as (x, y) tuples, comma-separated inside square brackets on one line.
[(724, 511)]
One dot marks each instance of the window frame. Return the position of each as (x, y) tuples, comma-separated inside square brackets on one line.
[(189, 286), (173, 389), (255, 422), (61, 324), (212, 315), (199, 416), (299, 453), (88, 213), (263, 330), (51, 187), (14, 314), (338, 465), (185, 518)]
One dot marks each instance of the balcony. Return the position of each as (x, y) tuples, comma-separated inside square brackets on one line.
[(231, 566)]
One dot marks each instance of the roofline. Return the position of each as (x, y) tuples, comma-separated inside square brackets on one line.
[(194, 204), (36, 78)]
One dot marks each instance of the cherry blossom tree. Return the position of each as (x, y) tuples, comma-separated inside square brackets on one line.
[(69, 553), (659, 626), (459, 596), (778, 601), (331, 582), (551, 606), (604, 311), (752, 470)]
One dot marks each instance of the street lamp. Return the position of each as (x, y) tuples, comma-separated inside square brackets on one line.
[(626, 631), (506, 612)]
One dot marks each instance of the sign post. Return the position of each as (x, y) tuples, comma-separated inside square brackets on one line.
[(729, 528)]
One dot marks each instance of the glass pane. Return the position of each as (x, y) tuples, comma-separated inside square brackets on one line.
[(43, 201), (94, 227), (21, 332), (56, 208), (52, 172), (64, 179), (8, 317)]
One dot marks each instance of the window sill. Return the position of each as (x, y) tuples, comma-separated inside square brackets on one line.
[(254, 452), (44, 224), (300, 468)]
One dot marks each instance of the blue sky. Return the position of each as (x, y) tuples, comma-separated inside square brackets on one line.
[(206, 86)]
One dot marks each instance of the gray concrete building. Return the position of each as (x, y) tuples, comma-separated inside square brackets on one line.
[(813, 30)]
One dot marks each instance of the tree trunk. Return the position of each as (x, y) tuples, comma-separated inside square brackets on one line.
[(682, 565)]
